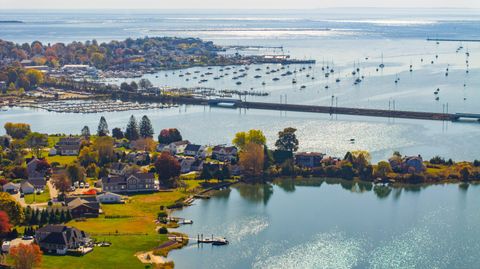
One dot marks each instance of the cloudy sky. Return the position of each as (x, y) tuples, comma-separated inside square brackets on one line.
[(231, 4)]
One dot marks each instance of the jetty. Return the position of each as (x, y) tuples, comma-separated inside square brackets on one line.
[(370, 112), (452, 40)]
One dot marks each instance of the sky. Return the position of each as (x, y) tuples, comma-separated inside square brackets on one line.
[(232, 4)]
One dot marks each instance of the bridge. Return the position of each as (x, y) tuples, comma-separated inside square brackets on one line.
[(458, 116)]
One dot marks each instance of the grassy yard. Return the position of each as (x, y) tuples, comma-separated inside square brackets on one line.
[(119, 255), (62, 160), (135, 216), (38, 198)]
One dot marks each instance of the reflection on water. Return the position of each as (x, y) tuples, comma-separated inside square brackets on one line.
[(255, 192), (328, 223)]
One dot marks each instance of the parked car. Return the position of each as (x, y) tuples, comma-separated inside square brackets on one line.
[(82, 185), (87, 185)]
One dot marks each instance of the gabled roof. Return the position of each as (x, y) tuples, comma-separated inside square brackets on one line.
[(193, 147), (26, 184), (81, 202), (143, 175), (57, 238), (37, 181), (181, 143)]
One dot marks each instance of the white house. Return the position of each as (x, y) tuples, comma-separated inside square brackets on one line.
[(186, 165), (11, 187), (223, 153), (194, 150), (109, 198), (27, 187)]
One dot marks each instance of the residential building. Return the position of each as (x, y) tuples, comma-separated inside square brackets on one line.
[(308, 159), (27, 187), (118, 168), (224, 153), (83, 206), (11, 187), (68, 146), (136, 182), (109, 198), (174, 147), (58, 239), (193, 150)]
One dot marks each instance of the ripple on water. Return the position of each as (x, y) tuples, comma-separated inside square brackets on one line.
[(326, 250), (248, 226)]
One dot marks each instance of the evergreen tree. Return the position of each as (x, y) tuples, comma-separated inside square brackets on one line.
[(132, 132), (205, 174), (68, 216), (102, 127), (146, 129), (51, 217), (86, 132), (44, 217), (117, 133), (62, 217)]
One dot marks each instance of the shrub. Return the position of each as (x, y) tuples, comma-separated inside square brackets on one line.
[(163, 230), (437, 160)]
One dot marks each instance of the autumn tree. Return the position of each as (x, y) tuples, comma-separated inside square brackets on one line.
[(382, 169), (104, 147), (168, 168), (146, 144), (87, 156), (253, 136), (170, 135), (26, 256), (13, 209), (132, 132), (287, 140), (36, 142), (61, 182), (252, 158), (17, 130), (146, 128), (102, 129), (5, 224), (75, 172)]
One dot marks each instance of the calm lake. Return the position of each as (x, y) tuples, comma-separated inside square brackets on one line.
[(333, 224)]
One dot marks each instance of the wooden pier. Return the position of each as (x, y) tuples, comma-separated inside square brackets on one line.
[(452, 40)]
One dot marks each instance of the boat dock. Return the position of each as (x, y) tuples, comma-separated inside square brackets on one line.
[(452, 40)]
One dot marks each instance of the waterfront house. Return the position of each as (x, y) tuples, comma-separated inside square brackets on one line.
[(11, 187), (193, 150), (109, 198), (58, 239), (308, 159), (224, 153), (136, 182), (175, 147), (68, 146), (186, 165), (83, 206)]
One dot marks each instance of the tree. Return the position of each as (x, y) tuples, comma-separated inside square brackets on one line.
[(117, 133), (170, 135), (26, 256), (5, 225), (287, 140), (75, 172), (133, 85), (146, 129), (382, 169), (132, 132), (12, 208), (86, 132), (61, 182), (145, 83), (104, 147), (252, 158), (36, 141), (145, 144), (17, 130), (87, 156), (253, 136), (168, 168), (102, 127)]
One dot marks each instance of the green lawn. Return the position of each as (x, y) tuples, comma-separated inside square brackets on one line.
[(119, 255), (62, 160), (38, 198), (135, 216)]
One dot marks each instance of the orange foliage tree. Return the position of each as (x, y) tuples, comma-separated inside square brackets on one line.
[(26, 256), (252, 158)]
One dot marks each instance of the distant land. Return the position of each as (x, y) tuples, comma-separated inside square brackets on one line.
[(11, 21)]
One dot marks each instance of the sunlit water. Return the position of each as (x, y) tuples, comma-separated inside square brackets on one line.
[(320, 225)]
